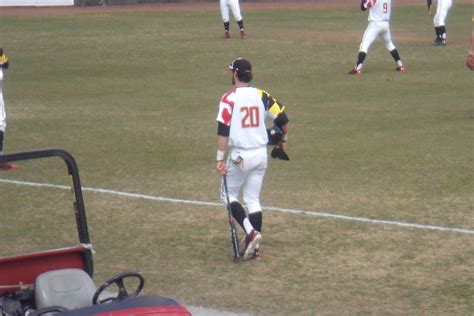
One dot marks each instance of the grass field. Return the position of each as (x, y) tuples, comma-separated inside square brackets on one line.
[(133, 96)]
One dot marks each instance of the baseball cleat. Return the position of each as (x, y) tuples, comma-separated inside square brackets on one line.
[(401, 69), (242, 34), (252, 241), (7, 166), (439, 42), (226, 34), (257, 254), (354, 71)]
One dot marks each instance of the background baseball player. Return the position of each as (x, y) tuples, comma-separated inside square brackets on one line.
[(379, 26), (4, 63), (241, 128), (439, 20), (470, 52), (232, 5)]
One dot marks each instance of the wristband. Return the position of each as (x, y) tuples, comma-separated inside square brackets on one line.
[(284, 138), (220, 155)]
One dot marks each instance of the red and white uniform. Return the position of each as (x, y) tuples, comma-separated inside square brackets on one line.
[(232, 5), (245, 110), (379, 24)]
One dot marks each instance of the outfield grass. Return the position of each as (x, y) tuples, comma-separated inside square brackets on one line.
[(133, 96)]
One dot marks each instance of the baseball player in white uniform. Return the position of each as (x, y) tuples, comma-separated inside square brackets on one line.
[(439, 20), (4, 63), (232, 5), (470, 52), (379, 26), (242, 132)]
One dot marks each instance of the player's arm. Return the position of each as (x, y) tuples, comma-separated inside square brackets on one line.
[(223, 119), (222, 139), (282, 122), (367, 4), (429, 3), (277, 111)]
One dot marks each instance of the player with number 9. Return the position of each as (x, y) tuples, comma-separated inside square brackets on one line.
[(243, 135), (379, 26)]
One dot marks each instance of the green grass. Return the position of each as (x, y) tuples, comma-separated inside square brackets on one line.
[(133, 96)]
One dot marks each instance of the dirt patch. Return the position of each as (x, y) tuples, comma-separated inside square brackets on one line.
[(203, 6)]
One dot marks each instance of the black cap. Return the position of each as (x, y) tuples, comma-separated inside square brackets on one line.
[(241, 65)]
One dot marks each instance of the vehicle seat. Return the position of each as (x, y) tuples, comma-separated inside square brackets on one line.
[(69, 288)]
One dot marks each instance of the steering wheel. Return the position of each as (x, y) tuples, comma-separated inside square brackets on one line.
[(123, 293), (51, 310)]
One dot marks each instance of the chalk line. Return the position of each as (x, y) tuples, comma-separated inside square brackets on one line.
[(271, 208)]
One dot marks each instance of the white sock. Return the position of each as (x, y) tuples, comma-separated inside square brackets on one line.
[(248, 226)]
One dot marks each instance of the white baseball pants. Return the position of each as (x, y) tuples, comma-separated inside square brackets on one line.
[(232, 5), (442, 9), (376, 29), (246, 170)]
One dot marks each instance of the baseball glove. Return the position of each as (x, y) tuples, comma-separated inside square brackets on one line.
[(279, 153), (470, 61), (274, 135)]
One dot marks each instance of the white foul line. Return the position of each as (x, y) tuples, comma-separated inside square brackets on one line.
[(271, 208)]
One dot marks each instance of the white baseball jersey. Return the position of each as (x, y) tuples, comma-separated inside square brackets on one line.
[(379, 10), (3, 123), (233, 5), (244, 110)]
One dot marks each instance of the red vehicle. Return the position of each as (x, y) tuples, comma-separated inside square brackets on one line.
[(59, 281)]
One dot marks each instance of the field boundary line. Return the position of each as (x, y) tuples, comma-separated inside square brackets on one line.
[(270, 208)]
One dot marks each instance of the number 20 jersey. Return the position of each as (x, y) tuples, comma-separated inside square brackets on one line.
[(244, 110)]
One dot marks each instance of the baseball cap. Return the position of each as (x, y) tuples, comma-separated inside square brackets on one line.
[(241, 65)]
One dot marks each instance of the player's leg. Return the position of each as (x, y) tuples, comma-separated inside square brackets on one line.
[(235, 180), (2, 133), (257, 162), (3, 121), (4, 165), (368, 38), (251, 194), (225, 17), (252, 188), (440, 22), (437, 27), (235, 8), (3, 125), (388, 43)]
